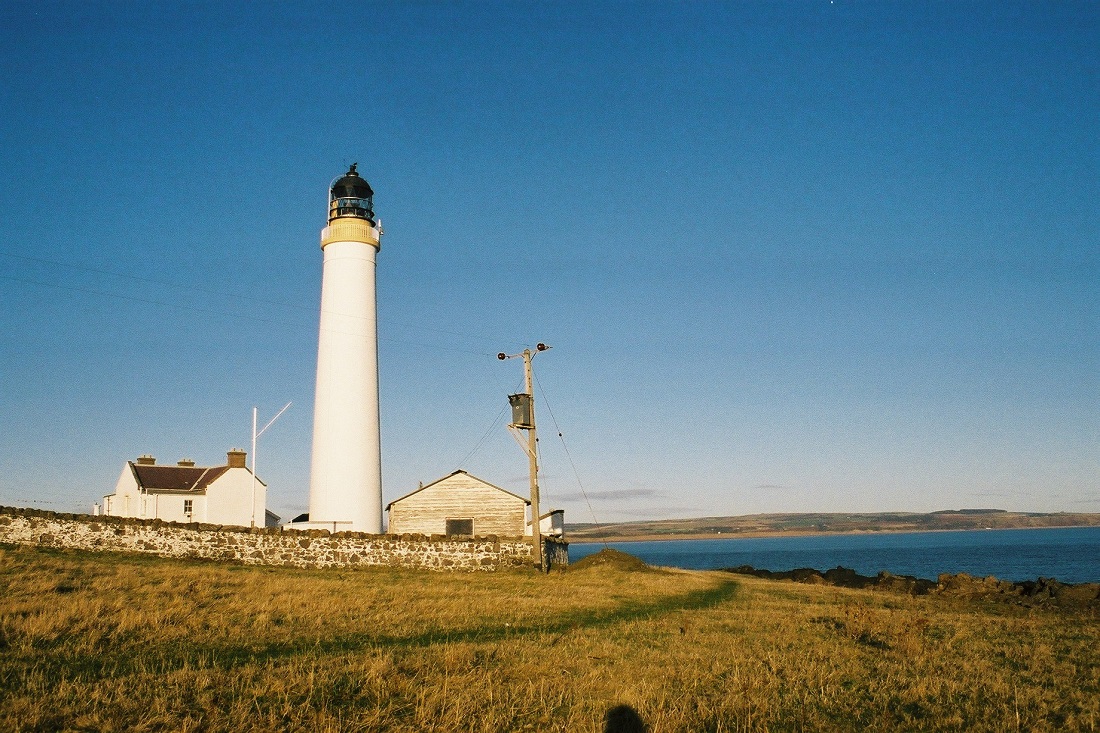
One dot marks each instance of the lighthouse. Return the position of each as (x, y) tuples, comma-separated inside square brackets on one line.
[(345, 487)]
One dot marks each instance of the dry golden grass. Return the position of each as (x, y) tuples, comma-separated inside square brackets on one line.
[(113, 642)]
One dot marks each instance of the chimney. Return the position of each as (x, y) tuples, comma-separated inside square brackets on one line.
[(236, 458), (185, 462), (146, 460)]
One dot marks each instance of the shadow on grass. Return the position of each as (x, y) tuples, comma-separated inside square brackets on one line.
[(166, 660), (623, 719)]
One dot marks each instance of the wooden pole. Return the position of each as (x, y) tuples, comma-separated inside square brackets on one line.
[(532, 449), (532, 456)]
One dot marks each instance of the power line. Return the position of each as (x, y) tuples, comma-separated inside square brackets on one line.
[(90, 291), (576, 474), (487, 433), (154, 281), (211, 311), (484, 437), (219, 293)]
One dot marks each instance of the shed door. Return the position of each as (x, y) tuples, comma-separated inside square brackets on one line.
[(460, 526)]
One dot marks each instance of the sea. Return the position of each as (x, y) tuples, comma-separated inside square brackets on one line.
[(1070, 555)]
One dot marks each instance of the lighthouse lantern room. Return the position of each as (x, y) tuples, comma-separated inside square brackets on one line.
[(351, 196)]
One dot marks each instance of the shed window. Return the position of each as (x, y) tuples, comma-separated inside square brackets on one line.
[(187, 507), (460, 527)]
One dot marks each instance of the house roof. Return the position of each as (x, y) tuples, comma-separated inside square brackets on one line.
[(455, 473), (187, 479)]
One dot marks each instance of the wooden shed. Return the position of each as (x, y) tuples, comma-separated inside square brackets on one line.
[(459, 504)]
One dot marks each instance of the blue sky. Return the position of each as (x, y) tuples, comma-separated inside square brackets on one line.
[(791, 256)]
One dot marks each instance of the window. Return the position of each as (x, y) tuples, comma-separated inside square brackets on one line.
[(187, 507), (460, 527)]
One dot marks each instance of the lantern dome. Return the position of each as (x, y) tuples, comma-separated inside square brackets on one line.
[(351, 196)]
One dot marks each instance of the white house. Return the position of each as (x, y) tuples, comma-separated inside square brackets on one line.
[(463, 504), (185, 492)]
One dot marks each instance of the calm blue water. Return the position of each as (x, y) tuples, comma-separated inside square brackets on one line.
[(1070, 555)]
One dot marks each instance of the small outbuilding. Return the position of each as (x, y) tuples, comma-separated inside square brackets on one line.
[(185, 492), (464, 505), (552, 523)]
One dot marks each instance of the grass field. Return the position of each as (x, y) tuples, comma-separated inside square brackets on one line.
[(115, 642)]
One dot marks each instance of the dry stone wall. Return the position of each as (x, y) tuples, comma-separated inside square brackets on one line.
[(555, 553), (297, 548)]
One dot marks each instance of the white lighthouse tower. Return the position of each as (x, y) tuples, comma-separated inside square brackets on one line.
[(345, 489)]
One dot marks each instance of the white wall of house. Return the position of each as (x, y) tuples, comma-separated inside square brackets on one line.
[(126, 501), (172, 507), (227, 500)]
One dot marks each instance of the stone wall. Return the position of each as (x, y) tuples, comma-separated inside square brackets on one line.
[(315, 548), (555, 553)]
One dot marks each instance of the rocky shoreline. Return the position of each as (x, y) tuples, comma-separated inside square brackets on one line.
[(1031, 593)]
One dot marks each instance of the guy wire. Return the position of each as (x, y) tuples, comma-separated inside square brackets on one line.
[(570, 457)]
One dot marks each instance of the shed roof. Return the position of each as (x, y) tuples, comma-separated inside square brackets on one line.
[(455, 473)]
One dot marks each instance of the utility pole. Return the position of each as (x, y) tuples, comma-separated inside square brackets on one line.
[(523, 418)]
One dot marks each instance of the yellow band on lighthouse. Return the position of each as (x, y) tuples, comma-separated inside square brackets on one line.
[(350, 230)]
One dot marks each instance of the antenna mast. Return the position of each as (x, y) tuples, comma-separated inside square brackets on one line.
[(256, 435)]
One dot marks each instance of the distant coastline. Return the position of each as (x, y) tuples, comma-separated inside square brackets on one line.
[(1016, 554), (817, 524)]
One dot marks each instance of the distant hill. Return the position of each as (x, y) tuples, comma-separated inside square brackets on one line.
[(762, 525)]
